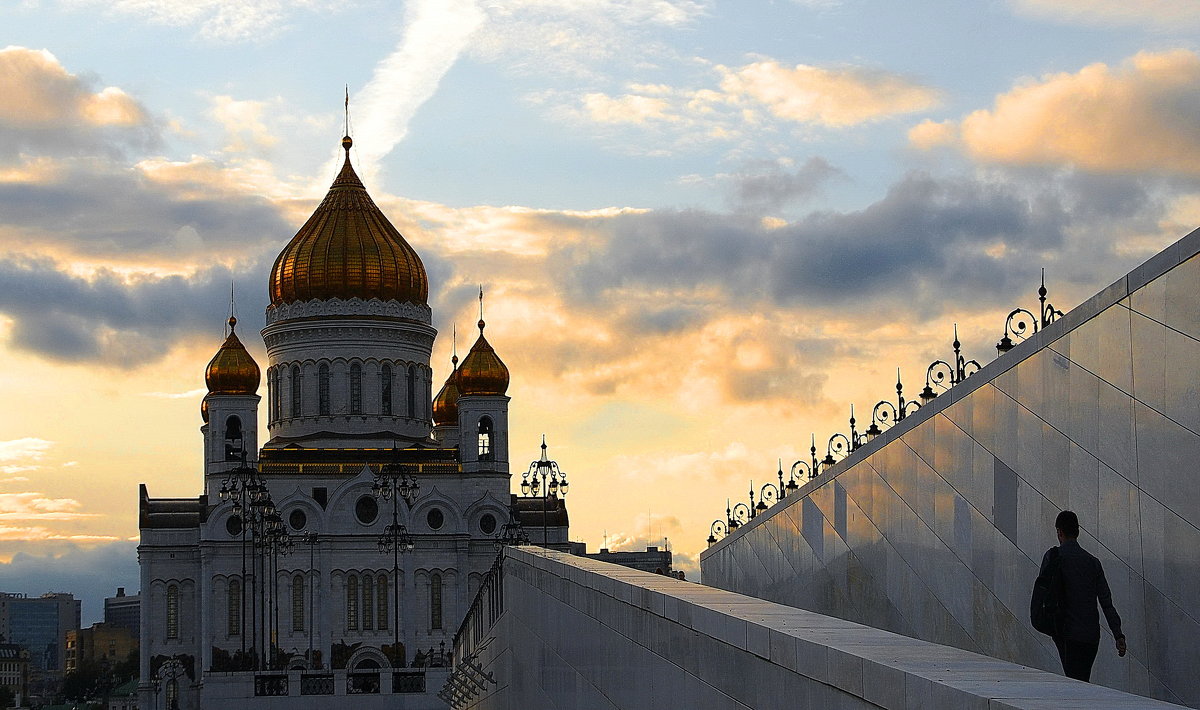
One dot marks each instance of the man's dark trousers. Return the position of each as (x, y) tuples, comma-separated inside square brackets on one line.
[(1077, 657)]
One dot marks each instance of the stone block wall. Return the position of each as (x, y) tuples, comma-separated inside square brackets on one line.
[(936, 529)]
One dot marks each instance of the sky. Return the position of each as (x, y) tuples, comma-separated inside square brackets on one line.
[(705, 228)]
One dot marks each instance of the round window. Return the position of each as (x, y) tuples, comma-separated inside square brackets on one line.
[(233, 525), (435, 518), (366, 510), (487, 524), (297, 519)]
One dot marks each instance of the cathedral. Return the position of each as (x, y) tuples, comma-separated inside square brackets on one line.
[(338, 556)]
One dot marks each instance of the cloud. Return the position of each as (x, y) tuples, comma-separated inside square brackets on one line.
[(243, 123), (222, 20), (36, 506), (835, 97), (92, 569), (436, 33), (767, 186), (626, 109), (50, 111), (1157, 14), (26, 449), (189, 214), (1139, 117), (122, 322)]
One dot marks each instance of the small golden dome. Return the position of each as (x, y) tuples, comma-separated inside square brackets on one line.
[(445, 404), (348, 249), (482, 371), (204, 410), (232, 370)]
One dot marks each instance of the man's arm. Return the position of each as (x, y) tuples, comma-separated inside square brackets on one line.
[(1104, 596)]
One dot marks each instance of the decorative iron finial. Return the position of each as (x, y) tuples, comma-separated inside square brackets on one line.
[(347, 141), (454, 346), (481, 324)]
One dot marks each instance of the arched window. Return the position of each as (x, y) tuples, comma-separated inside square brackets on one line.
[(273, 391), (485, 439), (412, 391), (435, 601), (368, 602), (381, 611), (356, 389), (385, 390), (233, 611), (233, 438), (352, 603), (298, 603), (295, 386), (172, 611), (323, 389)]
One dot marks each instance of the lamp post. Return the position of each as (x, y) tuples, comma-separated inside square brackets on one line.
[(395, 484), (888, 414), (511, 533), (1016, 324), (245, 487), (276, 543), (545, 479), (309, 537), (940, 372), (169, 673)]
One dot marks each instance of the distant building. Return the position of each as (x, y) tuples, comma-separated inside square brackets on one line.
[(14, 671), (104, 644), (651, 560), (123, 610), (40, 624)]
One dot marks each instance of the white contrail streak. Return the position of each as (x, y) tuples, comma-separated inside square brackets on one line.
[(436, 33)]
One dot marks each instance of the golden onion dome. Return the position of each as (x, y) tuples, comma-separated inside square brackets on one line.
[(204, 410), (348, 249), (482, 371), (232, 370), (445, 404)]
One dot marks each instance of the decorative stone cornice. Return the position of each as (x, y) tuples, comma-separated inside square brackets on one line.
[(418, 312)]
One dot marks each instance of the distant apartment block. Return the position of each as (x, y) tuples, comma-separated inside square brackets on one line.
[(124, 610)]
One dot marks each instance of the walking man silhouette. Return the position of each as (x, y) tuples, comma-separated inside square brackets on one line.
[(1077, 635)]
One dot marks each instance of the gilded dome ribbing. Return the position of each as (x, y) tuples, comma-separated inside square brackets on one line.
[(348, 249), (232, 370), (445, 404), (482, 371)]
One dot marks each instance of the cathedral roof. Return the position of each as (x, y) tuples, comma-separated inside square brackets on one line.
[(348, 249), (445, 404), (231, 370), (482, 371)]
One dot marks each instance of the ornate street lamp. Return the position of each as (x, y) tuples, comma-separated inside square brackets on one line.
[(309, 537), (811, 470), (169, 673), (888, 414), (512, 533), (1019, 322), (394, 483), (245, 487), (940, 372), (546, 480)]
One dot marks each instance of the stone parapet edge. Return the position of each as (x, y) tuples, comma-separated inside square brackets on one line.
[(880, 667)]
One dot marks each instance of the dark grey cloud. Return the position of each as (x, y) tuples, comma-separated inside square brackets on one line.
[(928, 242), (90, 573), (768, 186), (117, 321), (106, 211)]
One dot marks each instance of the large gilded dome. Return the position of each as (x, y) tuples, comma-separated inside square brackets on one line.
[(348, 249)]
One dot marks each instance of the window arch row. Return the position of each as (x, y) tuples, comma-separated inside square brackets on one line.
[(354, 386)]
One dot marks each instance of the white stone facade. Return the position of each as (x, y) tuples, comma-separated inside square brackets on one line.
[(338, 595)]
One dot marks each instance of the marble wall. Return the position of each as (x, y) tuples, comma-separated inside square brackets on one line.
[(579, 633), (936, 529)]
